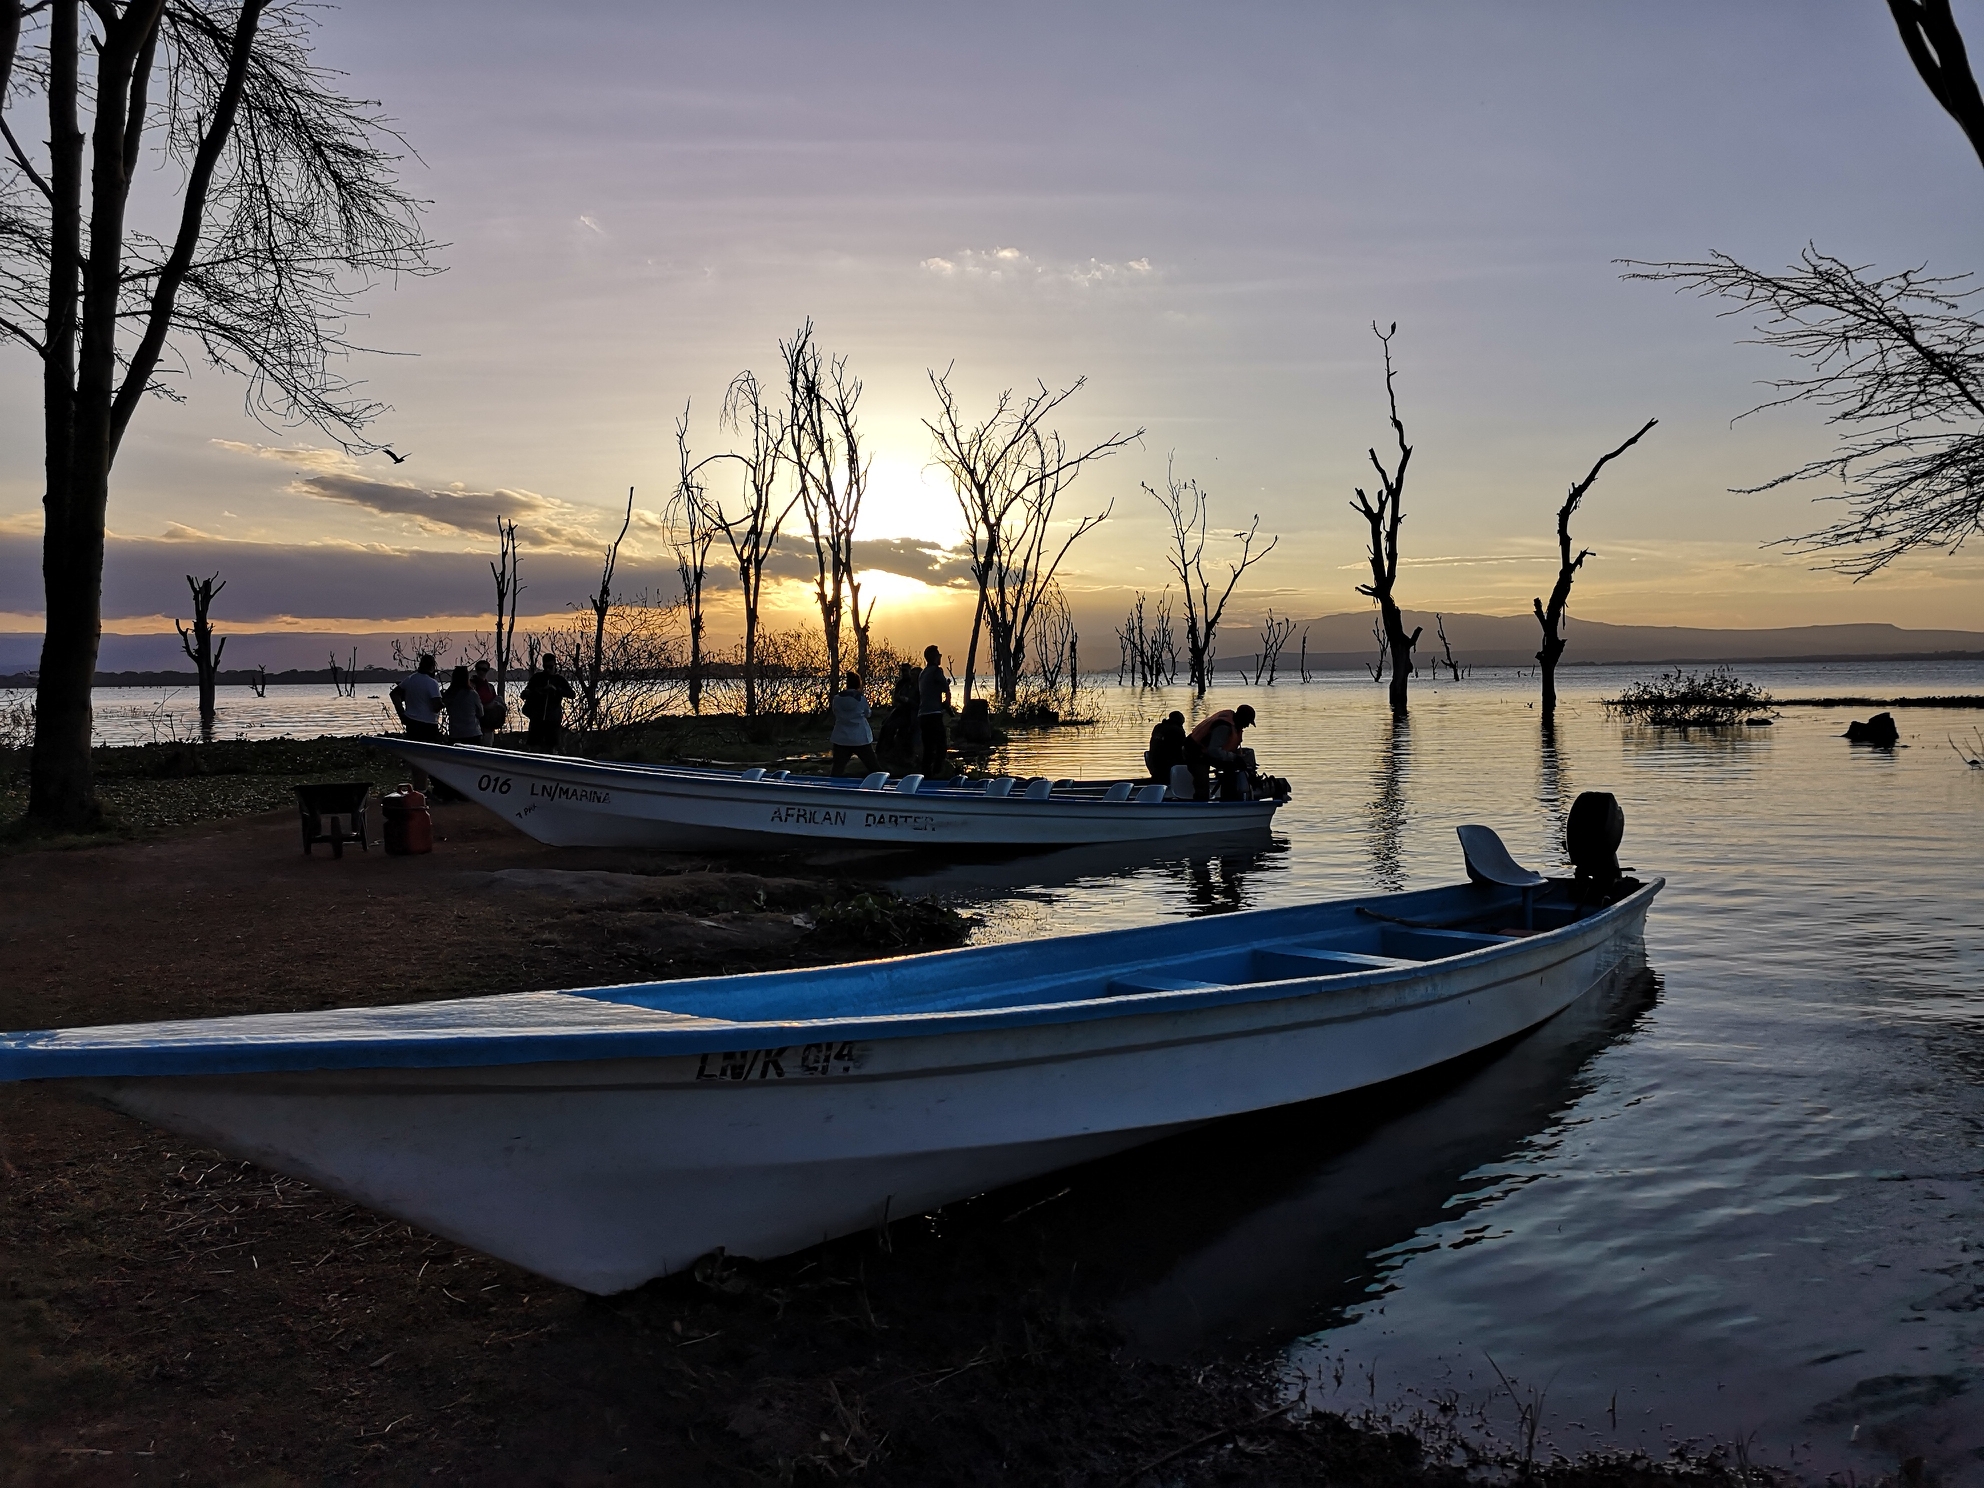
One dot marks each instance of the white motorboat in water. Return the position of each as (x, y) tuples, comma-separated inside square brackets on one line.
[(583, 803), (606, 1136)]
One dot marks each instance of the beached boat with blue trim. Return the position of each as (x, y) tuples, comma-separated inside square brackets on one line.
[(605, 1136)]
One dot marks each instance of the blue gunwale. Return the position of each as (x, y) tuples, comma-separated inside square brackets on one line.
[(653, 1020)]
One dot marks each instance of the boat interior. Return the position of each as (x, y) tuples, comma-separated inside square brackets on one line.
[(1341, 940)]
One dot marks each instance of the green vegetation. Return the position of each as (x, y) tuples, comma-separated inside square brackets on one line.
[(881, 921), (1717, 698)]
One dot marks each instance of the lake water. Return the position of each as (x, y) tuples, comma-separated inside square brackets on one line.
[(1739, 1197)]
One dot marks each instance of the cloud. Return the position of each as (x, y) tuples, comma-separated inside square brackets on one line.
[(331, 475), (1011, 266), (912, 558)]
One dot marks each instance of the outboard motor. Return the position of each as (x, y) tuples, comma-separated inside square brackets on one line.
[(1592, 835)]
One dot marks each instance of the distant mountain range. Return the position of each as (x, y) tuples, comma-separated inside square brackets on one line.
[(1344, 641), (1336, 642)]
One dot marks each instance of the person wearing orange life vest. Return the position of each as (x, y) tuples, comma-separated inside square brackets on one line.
[(1216, 745)]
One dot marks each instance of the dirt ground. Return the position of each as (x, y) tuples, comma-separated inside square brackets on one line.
[(168, 1314)]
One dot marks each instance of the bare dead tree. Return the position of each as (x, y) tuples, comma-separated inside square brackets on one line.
[(199, 643), (285, 204), (1384, 516), (1187, 506), (602, 608), (1446, 649), (691, 530), (504, 570), (1303, 660), (1377, 668), (753, 532), (1274, 635), (259, 683), (1009, 473), (1551, 616), (1935, 46), (1898, 361), (344, 679), (832, 472)]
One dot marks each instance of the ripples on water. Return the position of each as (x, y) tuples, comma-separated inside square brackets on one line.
[(1734, 1197)]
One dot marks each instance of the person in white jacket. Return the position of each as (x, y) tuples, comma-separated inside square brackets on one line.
[(852, 737)]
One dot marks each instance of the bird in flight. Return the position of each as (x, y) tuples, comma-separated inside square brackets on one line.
[(397, 459)]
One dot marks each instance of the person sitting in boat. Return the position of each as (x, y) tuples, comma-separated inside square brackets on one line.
[(852, 737), (1215, 746), (1167, 747), (933, 701)]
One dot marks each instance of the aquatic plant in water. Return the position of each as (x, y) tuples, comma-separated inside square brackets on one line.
[(1717, 698)]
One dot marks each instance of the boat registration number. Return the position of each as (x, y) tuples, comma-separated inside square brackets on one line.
[(780, 1063)]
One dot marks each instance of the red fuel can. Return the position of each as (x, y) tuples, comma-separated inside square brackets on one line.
[(409, 825)]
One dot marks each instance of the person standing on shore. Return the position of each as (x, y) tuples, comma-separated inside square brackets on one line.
[(544, 705), (417, 699), (852, 737), (933, 699), (494, 710), (464, 707)]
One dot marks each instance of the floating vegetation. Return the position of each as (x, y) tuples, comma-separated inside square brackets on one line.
[(1972, 756), (1717, 698)]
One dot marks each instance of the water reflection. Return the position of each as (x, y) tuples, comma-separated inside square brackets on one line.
[(1553, 788), (1386, 816), (1258, 1227), (1218, 884)]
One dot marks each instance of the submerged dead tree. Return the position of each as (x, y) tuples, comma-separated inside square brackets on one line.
[(691, 532), (752, 532), (1384, 516), (277, 200), (832, 473), (1188, 508), (1009, 473), (602, 607), (1551, 616), (504, 570), (199, 645)]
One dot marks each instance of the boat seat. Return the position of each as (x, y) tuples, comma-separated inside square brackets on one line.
[(1039, 790), (1154, 981), (777, 774), (1120, 791), (1348, 960), (1003, 786), (1488, 862), (876, 781), (756, 772), (909, 784)]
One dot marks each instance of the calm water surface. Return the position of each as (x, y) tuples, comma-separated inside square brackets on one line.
[(1735, 1198), (1738, 1198)]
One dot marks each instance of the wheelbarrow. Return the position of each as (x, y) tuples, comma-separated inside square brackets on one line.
[(335, 813)]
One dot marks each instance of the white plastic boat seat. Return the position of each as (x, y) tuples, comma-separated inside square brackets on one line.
[(777, 774), (1150, 795), (1287, 963), (1435, 945), (1120, 791), (1488, 860), (756, 772), (1003, 786), (876, 781), (1144, 982), (909, 784), (1039, 790)]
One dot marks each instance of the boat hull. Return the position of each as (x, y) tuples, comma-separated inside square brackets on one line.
[(582, 803), (604, 1173)]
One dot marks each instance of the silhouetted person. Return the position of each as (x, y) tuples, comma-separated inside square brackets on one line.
[(417, 699), (1167, 748), (1215, 745), (493, 708), (933, 697), (464, 708), (899, 728), (544, 705), (852, 737)]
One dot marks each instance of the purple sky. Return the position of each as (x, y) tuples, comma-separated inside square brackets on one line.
[(1199, 208)]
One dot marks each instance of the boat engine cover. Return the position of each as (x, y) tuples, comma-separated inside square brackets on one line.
[(1592, 836)]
